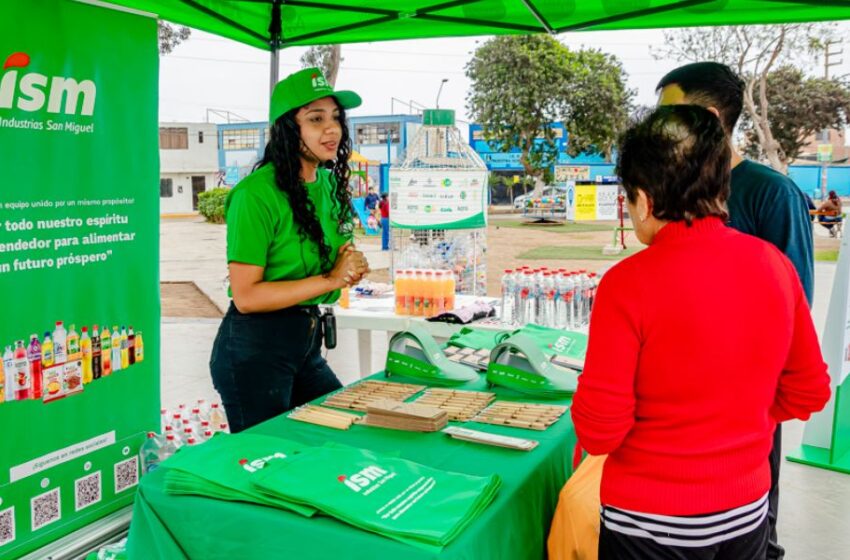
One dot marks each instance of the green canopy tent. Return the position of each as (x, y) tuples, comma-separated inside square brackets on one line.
[(276, 24)]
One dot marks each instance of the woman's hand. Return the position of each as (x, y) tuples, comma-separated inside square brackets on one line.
[(350, 267)]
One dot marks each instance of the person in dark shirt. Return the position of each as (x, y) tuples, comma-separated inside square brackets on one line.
[(371, 199), (763, 203), (384, 206)]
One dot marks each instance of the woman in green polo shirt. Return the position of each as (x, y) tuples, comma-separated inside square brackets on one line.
[(289, 249)]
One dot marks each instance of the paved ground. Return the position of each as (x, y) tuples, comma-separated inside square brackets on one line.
[(815, 505)]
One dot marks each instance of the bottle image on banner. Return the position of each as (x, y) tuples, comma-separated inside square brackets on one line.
[(125, 348), (60, 339), (95, 353), (3, 382), (131, 345), (116, 349), (73, 344), (9, 371), (139, 348), (106, 351), (34, 354), (22, 372), (48, 358), (86, 351)]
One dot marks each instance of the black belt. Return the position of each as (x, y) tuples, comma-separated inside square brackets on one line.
[(294, 310)]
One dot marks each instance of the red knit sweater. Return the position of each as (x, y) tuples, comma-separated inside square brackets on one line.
[(698, 345)]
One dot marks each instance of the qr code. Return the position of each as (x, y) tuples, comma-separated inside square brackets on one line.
[(45, 509), (126, 474), (7, 526), (87, 491)]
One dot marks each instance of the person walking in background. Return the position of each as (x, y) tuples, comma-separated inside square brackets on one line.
[(384, 206), (763, 202), (715, 347)]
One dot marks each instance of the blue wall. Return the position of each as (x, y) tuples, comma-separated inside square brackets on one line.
[(808, 178)]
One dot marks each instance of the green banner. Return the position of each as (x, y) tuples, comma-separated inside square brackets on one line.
[(78, 244)]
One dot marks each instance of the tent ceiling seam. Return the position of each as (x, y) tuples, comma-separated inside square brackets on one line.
[(225, 20), (634, 14)]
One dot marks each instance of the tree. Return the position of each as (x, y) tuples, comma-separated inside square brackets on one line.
[(171, 35), (522, 84), (799, 107), (327, 58), (753, 52)]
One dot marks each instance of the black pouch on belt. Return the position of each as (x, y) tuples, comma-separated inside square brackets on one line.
[(328, 321)]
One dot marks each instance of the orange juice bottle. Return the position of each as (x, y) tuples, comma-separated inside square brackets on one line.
[(428, 293), (439, 293), (417, 289), (408, 292), (450, 291), (401, 288)]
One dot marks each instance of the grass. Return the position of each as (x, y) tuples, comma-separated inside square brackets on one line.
[(561, 228), (558, 252), (826, 255)]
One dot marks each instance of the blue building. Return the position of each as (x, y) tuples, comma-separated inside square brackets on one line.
[(382, 138), (509, 162), (240, 146)]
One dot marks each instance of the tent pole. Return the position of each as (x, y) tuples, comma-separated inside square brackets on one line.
[(275, 40)]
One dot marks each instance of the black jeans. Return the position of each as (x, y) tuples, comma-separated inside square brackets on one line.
[(774, 550), (264, 364)]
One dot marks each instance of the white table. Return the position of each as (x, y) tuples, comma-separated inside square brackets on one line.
[(378, 314)]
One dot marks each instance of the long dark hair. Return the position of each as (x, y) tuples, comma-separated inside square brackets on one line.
[(283, 151)]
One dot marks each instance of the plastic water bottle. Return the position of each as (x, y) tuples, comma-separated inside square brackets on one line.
[(518, 278), (169, 448), (150, 452), (593, 284), (217, 416), (507, 314), (583, 288), (547, 300), (529, 298)]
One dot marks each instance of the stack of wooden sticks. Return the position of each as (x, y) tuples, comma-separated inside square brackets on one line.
[(358, 397), (322, 416), (461, 405), (521, 415)]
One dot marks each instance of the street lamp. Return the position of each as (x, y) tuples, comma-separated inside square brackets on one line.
[(439, 91)]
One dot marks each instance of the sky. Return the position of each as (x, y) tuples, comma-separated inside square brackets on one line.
[(210, 72)]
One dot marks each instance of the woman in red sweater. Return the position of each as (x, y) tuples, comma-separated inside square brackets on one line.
[(699, 345)]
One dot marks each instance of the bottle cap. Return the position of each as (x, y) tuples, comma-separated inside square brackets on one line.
[(170, 437), (85, 329), (151, 435), (508, 271)]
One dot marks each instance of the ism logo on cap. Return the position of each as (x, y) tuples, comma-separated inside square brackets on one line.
[(304, 87)]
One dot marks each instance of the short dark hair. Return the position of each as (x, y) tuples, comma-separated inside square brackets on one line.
[(710, 84), (680, 157)]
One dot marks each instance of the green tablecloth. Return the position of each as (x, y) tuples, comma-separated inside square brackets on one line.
[(513, 527)]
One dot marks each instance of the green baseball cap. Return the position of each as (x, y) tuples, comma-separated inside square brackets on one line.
[(303, 87)]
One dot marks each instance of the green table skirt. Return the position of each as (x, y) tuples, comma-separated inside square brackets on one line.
[(513, 527)]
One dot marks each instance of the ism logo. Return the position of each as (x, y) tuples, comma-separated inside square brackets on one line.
[(32, 91), (363, 478)]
